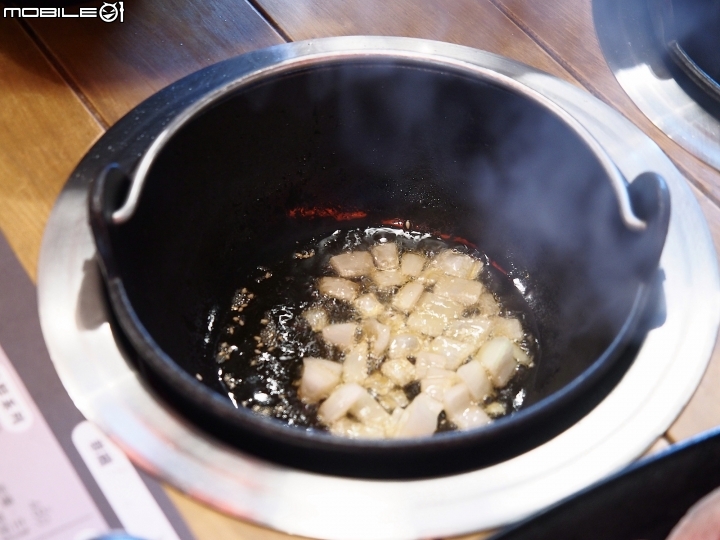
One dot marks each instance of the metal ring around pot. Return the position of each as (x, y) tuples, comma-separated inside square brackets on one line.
[(107, 390)]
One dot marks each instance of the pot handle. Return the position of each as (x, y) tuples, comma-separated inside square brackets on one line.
[(108, 192), (650, 200)]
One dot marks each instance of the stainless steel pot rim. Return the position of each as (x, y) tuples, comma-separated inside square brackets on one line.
[(655, 389), (658, 96)]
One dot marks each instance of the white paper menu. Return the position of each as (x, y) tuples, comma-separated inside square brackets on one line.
[(41, 495), (61, 478)]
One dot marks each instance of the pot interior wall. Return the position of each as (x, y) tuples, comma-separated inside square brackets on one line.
[(447, 151)]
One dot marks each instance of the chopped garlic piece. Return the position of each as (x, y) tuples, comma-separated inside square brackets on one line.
[(407, 296), (387, 279), (410, 335), (369, 412), (339, 288), (457, 264), (393, 319), (461, 411), (472, 330), (396, 399), (346, 427), (455, 352), (368, 305), (442, 373), (470, 418), (319, 378), (496, 356), (435, 388), (399, 371), (341, 335), (419, 418), (386, 256), (437, 381), (456, 399), (487, 304), (339, 402), (316, 318), (353, 264), (404, 345), (521, 356), (355, 365), (464, 291), (426, 323), (425, 360), (495, 409), (431, 303), (430, 275), (379, 336), (476, 379), (510, 328), (392, 424), (412, 264), (378, 384)]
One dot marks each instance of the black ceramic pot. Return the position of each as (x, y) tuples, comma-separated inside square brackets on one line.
[(456, 149)]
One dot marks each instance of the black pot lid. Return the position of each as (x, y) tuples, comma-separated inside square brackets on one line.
[(106, 388)]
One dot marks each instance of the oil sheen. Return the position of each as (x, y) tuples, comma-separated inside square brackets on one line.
[(264, 336)]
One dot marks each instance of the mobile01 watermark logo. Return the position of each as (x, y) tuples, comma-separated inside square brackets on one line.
[(107, 12)]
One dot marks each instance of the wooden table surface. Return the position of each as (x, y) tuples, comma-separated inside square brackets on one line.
[(64, 81)]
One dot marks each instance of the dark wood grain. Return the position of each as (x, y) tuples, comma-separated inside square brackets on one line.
[(117, 65), (44, 131), (475, 23)]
